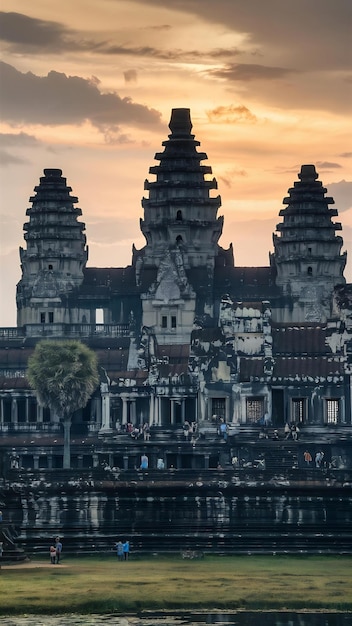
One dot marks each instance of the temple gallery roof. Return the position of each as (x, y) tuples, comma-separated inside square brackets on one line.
[(293, 368)]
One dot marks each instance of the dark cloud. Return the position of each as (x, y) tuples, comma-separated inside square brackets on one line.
[(22, 33), (346, 155), (130, 76), (231, 114), (342, 194), (21, 140), (223, 53), (58, 99), (170, 54), (228, 179), (327, 165), (306, 35), (249, 71), (159, 27)]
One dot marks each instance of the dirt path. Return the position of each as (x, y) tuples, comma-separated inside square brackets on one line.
[(29, 565)]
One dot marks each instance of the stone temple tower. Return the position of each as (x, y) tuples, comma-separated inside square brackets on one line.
[(182, 230), (56, 255), (307, 256), (179, 213)]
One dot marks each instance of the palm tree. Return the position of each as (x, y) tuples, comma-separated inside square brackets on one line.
[(64, 375)]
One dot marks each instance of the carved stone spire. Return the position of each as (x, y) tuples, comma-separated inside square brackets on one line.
[(179, 211), (56, 254), (307, 255)]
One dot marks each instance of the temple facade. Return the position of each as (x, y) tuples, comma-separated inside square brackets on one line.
[(183, 334)]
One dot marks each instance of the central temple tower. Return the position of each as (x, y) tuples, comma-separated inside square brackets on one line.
[(179, 213)]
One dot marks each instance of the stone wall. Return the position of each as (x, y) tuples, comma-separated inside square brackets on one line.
[(219, 511)]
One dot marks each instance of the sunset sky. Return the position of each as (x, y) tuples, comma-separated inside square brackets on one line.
[(87, 86)]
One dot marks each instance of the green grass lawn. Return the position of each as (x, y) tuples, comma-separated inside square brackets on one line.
[(102, 584)]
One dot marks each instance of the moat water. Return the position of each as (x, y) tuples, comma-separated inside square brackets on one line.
[(241, 618)]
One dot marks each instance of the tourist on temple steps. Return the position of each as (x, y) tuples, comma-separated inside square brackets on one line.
[(146, 432), (223, 430), (294, 432), (186, 427), (307, 457), (144, 462)]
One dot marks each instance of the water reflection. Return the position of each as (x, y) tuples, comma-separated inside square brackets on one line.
[(243, 618)]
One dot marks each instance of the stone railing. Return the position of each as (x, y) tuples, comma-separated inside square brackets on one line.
[(12, 332), (65, 330), (26, 427)]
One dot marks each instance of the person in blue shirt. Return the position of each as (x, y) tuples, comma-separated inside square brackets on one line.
[(58, 546), (126, 549), (119, 550), (144, 461)]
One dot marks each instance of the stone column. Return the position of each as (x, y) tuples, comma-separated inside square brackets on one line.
[(14, 411), (227, 409), (172, 411), (105, 409), (124, 410), (1, 410), (342, 410), (98, 411), (39, 413), (133, 411), (151, 409), (157, 411), (35, 461), (183, 411), (202, 402), (95, 413), (206, 461)]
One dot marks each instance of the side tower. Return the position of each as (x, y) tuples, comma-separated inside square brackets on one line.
[(307, 252), (56, 255)]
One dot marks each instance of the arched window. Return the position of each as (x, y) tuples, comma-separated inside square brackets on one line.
[(50, 267), (179, 216), (310, 271), (179, 239)]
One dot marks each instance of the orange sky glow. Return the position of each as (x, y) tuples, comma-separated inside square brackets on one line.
[(88, 87)]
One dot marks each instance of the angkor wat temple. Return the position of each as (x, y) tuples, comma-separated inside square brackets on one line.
[(257, 360)]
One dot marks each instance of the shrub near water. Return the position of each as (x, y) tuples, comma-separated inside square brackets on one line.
[(102, 584)]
